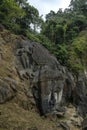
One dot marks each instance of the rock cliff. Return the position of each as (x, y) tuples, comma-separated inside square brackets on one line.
[(33, 83)]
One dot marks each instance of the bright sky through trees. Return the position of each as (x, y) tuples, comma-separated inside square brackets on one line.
[(44, 6)]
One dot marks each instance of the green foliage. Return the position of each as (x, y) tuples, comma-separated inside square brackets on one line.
[(60, 51), (59, 34), (62, 54), (65, 30), (77, 53), (9, 12), (79, 6), (18, 15), (31, 36), (46, 42), (63, 33)]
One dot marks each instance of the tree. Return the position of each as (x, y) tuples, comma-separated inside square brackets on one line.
[(21, 3), (9, 12), (59, 34), (31, 17), (79, 6), (50, 15), (18, 15)]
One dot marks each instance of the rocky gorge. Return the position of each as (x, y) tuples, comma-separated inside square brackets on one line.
[(36, 92)]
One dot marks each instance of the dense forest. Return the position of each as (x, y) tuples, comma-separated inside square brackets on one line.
[(63, 33)]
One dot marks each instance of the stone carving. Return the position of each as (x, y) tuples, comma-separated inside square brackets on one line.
[(51, 84), (47, 76)]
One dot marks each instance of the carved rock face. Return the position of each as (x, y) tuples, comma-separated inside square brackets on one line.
[(51, 85), (46, 75)]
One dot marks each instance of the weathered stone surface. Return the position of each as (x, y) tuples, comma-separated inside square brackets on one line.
[(69, 87), (84, 124), (1, 27), (39, 81), (51, 83), (80, 95), (64, 126), (82, 106), (7, 91)]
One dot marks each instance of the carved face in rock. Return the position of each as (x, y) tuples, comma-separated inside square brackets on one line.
[(48, 78), (51, 94)]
